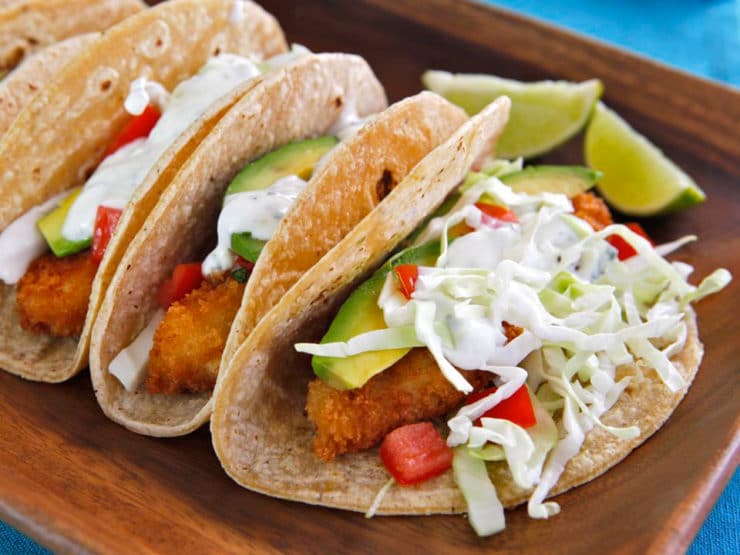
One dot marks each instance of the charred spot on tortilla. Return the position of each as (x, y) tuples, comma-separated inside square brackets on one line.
[(338, 102), (15, 57), (385, 184)]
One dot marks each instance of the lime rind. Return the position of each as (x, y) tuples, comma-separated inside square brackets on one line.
[(544, 114), (638, 178)]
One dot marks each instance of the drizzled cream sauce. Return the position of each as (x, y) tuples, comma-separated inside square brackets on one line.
[(21, 242), (256, 212), (114, 181)]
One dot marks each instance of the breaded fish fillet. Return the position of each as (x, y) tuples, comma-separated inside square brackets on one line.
[(593, 210), (189, 341), (54, 294), (411, 390)]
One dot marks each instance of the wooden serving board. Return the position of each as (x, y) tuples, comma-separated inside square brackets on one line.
[(77, 482)]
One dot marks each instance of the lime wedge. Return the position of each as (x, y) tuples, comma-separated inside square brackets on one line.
[(638, 178), (543, 114)]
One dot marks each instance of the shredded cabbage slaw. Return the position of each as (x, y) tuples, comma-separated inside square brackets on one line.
[(583, 311)]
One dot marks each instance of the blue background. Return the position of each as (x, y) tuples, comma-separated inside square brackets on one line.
[(701, 37), (697, 36)]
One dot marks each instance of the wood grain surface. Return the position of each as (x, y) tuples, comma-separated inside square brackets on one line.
[(79, 483)]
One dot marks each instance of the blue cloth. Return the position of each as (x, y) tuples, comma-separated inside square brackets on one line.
[(721, 532), (698, 36), (709, 45), (13, 542)]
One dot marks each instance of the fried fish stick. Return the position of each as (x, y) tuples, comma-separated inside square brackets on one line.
[(54, 294), (411, 390), (189, 341), (593, 210)]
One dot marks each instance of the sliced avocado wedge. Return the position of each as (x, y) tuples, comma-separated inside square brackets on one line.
[(298, 158), (566, 180), (247, 246), (50, 227), (359, 314)]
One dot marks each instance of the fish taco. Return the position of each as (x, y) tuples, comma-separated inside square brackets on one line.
[(283, 177), (518, 344), (85, 162)]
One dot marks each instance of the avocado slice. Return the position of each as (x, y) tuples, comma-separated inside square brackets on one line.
[(298, 158), (50, 227), (359, 314), (566, 180), (247, 246)]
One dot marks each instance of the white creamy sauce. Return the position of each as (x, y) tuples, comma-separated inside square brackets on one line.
[(114, 181), (517, 256), (21, 242), (349, 121), (129, 366), (258, 212), (484, 248), (144, 92), (236, 13), (296, 52)]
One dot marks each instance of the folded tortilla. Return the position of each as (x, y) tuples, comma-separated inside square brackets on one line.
[(24, 82), (55, 142), (260, 432), (306, 100), (29, 25)]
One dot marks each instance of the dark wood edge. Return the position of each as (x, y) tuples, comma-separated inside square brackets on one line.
[(49, 536), (708, 130), (689, 515)]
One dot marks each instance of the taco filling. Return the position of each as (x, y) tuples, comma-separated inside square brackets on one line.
[(54, 288), (180, 351), (516, 318)]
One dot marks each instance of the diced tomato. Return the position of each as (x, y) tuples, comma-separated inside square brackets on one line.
[(106, 220), (415, 453), (624, 249), (496, 212), (137, 128), (185, 278), (517, 408), (407, 275), (244, 263)]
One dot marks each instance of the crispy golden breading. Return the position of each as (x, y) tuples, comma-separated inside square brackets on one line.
[(190, 340), (511, 331), (411, 390), (54, 294), (593, 210)]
